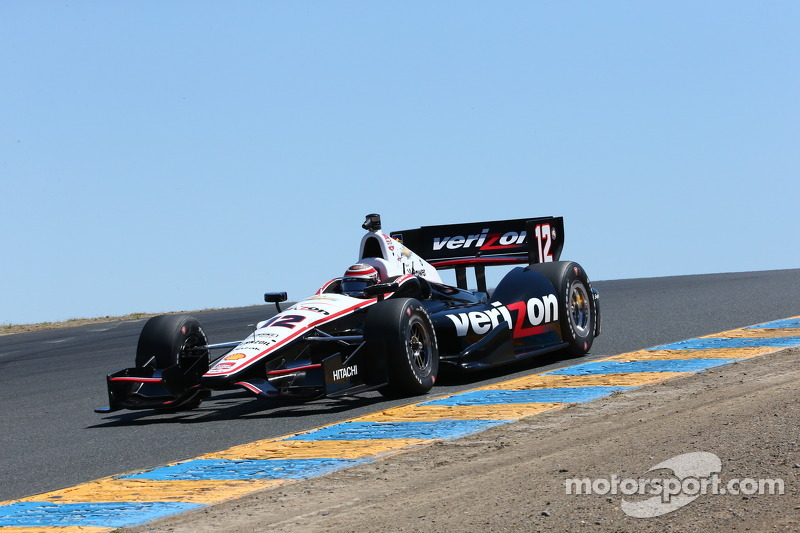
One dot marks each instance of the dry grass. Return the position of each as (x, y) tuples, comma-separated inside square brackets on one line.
[(10, 329)]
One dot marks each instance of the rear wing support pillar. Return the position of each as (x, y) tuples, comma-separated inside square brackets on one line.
[(461, 277), (480, 277)]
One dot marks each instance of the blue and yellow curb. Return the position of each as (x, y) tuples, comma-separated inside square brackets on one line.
[(136, 498)]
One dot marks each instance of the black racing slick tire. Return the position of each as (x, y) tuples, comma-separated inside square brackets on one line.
[(169, 340), (577, 304), (401, 331), (173, 344)]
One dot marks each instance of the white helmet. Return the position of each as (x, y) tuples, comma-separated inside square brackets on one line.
[(357, 278)]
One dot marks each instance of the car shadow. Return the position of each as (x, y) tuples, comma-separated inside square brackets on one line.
[(231, 406), (454, 377), (242, 405)]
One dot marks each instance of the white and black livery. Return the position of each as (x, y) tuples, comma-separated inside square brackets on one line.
[(388, 324)]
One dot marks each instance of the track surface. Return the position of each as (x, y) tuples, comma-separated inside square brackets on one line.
[(52, 380)]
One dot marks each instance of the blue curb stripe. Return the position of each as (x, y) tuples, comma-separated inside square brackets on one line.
[(440, 429), (49, 514), (789, 323), (623, 367), (221, 469), (559, 395), (710, 344)]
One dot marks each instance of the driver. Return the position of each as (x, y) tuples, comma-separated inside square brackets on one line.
[(357, 278)]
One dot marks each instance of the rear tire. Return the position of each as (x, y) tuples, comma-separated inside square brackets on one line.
[(402, 330), (576, 301)]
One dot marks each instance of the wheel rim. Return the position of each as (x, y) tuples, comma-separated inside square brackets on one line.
[(189, 352), (580, 311), (419, 345)]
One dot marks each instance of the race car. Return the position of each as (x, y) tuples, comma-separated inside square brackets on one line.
[(388, 324)]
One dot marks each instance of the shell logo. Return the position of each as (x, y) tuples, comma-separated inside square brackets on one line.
[(235, 357)]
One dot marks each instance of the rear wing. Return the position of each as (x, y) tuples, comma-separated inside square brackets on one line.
[(481, 244)]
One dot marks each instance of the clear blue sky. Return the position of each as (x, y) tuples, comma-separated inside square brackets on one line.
[(159, 156)]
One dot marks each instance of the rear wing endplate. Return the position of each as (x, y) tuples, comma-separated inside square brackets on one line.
[(481, 244)]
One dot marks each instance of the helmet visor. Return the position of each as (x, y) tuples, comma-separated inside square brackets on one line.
[(355, 285)]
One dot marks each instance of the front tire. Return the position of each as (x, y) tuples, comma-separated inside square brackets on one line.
[(402, 330), (171, 344), (168, 340)]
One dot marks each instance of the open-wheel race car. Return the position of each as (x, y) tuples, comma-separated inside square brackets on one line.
[(388, 324)]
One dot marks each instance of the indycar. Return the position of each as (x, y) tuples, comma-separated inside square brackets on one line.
[(389, 324)]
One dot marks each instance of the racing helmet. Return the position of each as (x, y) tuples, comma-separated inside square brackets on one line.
[(357, 278)]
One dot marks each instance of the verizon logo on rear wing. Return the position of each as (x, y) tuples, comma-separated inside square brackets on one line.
[(500, 242)]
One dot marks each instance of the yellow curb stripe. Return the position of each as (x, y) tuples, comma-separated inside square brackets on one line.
[(432, 413), (145, 490), (554, 381), (764, 331), (70, 529), (756, 333), (714, 353), (298, 449)]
